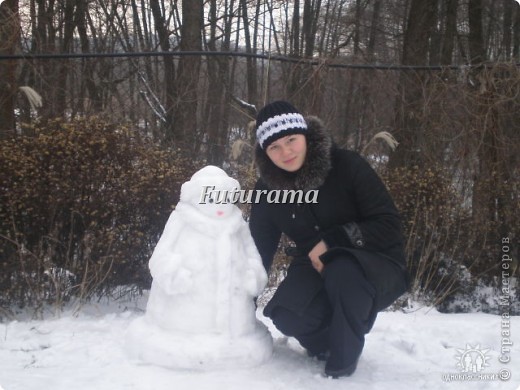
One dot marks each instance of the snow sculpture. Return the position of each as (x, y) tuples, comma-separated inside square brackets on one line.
[(206, 271)]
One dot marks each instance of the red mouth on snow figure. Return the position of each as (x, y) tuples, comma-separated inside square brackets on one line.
[(220, 213)]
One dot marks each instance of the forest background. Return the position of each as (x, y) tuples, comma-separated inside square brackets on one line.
[(107, 107)]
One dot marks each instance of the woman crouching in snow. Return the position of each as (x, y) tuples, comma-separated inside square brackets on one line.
[(349, 261)]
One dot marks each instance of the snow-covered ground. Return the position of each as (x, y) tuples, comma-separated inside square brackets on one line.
[(404, 351)]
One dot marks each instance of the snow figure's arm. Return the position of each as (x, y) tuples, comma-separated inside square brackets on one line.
[(166, 263), (165, 248), (256, 275)]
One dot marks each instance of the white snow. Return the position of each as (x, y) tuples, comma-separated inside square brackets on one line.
[(403, 351)]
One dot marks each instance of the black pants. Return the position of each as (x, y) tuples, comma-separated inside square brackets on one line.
[(337, 316)]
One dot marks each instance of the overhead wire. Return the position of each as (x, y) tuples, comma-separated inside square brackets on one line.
[(327, 62)]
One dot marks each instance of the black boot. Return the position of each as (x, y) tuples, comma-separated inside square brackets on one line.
[(336, 372)]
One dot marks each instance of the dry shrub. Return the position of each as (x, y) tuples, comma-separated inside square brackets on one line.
[(434, 219), (82, 205)]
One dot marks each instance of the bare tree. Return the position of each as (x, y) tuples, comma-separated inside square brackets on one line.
[(187, 76), (304, 83), (9, 38), (408, 114), (516, 33), (252, 87), (216, 118), (295, 30), (450, 31), (173, 132), (477, 48), (311, 13), (374, 26), (507, 28)]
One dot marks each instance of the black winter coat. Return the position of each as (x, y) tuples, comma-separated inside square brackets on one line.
[(354, 215)]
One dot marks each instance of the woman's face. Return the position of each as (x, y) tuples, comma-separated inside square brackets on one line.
[(288, 153)]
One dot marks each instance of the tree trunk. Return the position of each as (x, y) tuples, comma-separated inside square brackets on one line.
[(357, 22), (450, 32), (434, 49), (69, 25), (216, 118), (89, 71), (477, 50), (409, 104), (507, 26), (311, 11), (516, 33), (9, 38), (252, 88), (172, 132), (295, 30), (421, 20), (304, 84), (374, 27), (187, 77)]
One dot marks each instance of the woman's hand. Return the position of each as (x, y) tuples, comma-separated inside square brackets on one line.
[(315, 254)]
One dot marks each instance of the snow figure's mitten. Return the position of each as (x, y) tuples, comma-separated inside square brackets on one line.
[(180, 283), (252, 284)]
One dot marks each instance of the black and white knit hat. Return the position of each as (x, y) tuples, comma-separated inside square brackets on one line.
[(276, 120)]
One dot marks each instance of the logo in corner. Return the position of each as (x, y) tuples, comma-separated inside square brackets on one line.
[(472, 359)]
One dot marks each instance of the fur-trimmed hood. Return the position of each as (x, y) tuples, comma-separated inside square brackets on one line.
[(314, 170)]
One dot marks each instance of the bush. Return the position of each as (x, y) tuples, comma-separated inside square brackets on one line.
[(82, 205), (436, 239), (444, 247)]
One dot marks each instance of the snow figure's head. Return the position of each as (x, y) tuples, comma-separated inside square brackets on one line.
[(211, 191)]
